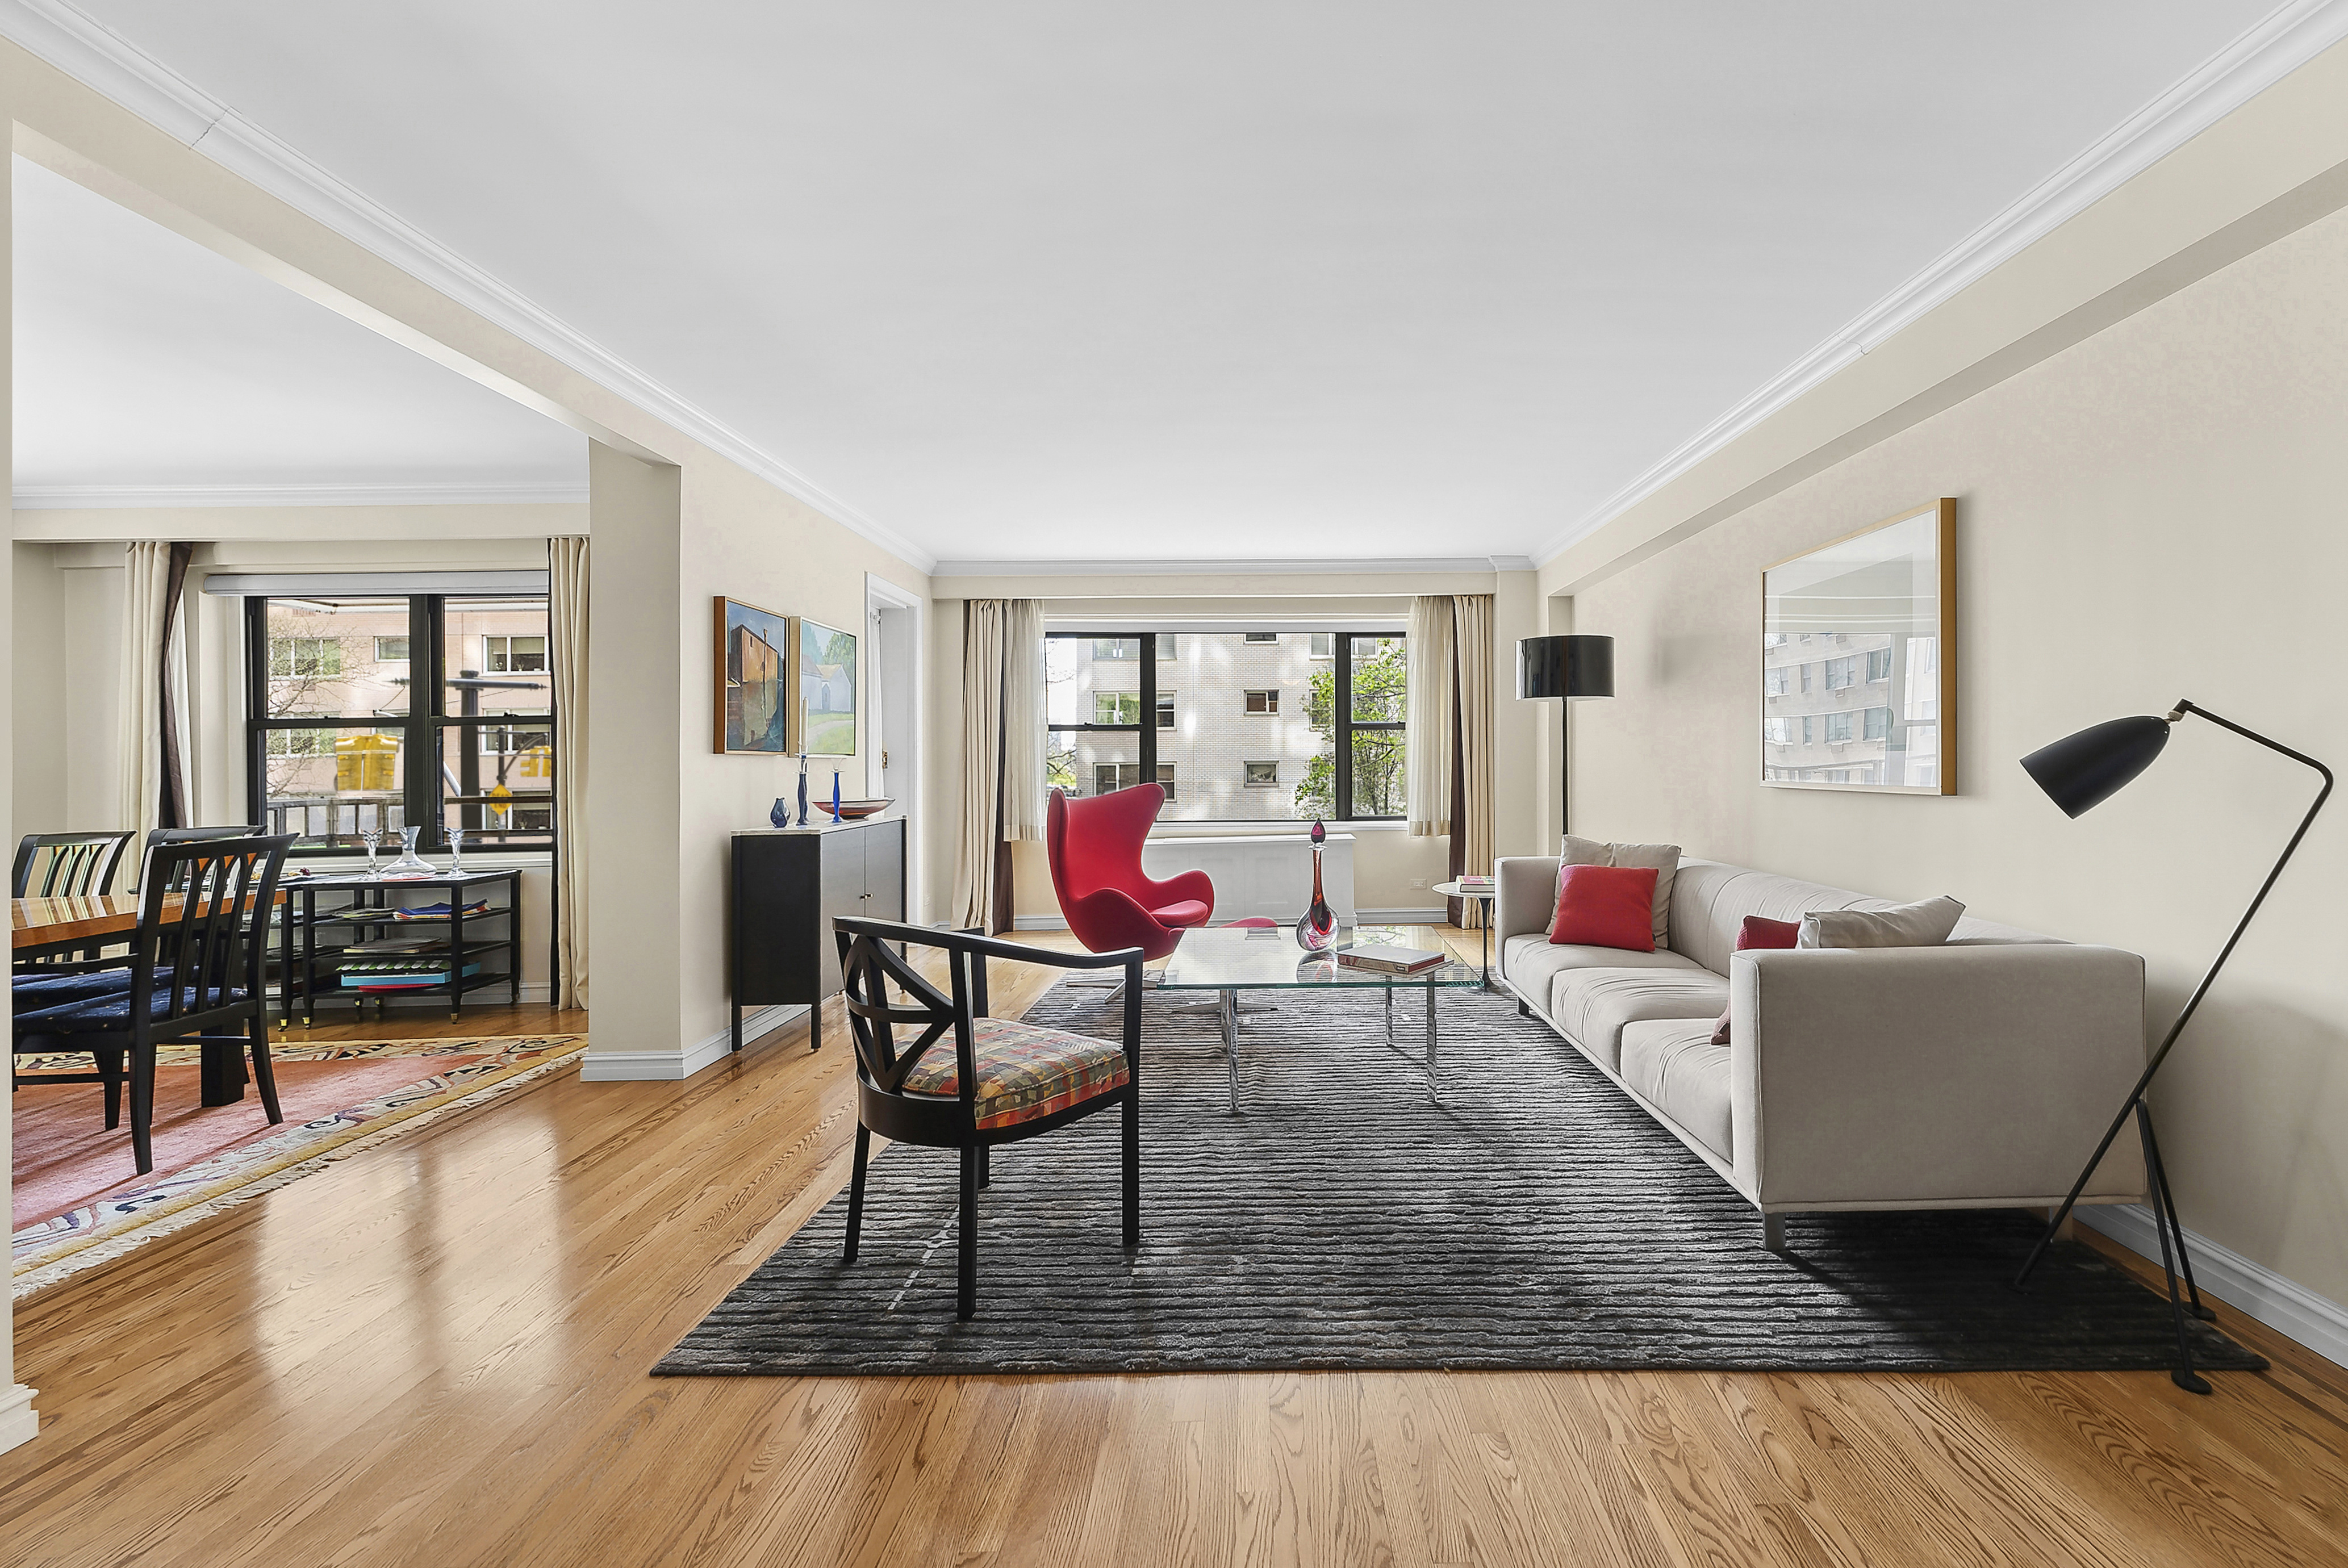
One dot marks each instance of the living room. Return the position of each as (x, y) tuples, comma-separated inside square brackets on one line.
[(1759, 579)]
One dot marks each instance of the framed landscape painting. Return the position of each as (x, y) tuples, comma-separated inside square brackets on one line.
[(1859, 671), (754, 706), (825, 679)]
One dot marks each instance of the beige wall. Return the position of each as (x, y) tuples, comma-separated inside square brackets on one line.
[(2154, 512)]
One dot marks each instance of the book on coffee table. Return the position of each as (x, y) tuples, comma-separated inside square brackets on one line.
[(1390, 960)]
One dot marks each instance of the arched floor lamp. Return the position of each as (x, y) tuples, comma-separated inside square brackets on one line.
[(2082, 771), (1564, 667)]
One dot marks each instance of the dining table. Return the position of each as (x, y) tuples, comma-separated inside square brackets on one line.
[(48, 928)]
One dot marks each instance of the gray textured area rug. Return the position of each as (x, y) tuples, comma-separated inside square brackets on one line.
[(1535, 1219)]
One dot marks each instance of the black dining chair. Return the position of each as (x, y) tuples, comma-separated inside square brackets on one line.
[(158, 837), (195, 972), (67, 865), (995, 1081)]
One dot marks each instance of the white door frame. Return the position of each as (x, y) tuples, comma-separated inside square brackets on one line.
[(901, 733)]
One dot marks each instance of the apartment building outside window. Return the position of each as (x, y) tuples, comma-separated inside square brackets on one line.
[(365, 711), (1270, 726)]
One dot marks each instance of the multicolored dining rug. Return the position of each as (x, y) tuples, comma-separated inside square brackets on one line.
[(79, 1201)]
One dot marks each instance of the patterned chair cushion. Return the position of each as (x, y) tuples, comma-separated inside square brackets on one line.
[(1025, 1070), (110, 1014)]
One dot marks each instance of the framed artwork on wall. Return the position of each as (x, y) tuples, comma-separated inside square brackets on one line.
[(754, 706), (823, 676), (1859, 671)]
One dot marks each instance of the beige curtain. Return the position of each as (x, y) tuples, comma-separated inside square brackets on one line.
[(1471, 788), (566, 571), (1429, 714), (1022, 718), (145, 665), (1002, 752)]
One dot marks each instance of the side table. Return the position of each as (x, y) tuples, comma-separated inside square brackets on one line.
[(1483, 895)]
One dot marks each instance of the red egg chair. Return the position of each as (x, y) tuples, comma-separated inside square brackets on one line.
[(1095, 846)]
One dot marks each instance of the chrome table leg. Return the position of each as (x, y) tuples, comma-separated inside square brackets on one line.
[(1227, 1006)]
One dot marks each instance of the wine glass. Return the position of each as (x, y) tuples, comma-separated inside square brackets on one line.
[(373, 839), (456, 850)]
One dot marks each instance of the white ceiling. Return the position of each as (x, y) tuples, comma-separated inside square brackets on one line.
[(1212, 281), (149, 369)]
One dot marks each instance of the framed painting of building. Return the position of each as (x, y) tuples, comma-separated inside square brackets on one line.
[(823, 676), (1858, 673), (754, 706)]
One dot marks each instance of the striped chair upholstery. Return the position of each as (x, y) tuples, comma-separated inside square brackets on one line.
[(1025, 1070)]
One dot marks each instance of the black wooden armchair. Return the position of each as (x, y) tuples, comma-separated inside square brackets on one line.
[(968, 1082)]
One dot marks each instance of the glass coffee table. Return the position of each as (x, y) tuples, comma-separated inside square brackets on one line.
[(1232, 959)]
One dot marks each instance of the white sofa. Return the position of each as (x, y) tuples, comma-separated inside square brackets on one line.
[(1975, 1075)]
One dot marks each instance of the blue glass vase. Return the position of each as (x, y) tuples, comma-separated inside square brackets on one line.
[(781, 814)]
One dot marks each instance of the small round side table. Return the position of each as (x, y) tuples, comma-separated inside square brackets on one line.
[(1483, 895)]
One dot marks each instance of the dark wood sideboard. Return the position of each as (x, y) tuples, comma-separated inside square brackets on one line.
[(786, 885)]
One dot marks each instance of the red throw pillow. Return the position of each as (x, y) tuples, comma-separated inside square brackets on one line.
[(1605, 906), (1758, 932)]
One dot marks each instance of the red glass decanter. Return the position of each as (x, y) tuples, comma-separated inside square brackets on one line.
[(1317, 930)]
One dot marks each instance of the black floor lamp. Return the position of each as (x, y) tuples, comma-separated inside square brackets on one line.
[(1564, 667), (2083, 770)]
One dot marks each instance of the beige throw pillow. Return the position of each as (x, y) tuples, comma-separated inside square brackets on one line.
[(1925, 924), (1664, 857)]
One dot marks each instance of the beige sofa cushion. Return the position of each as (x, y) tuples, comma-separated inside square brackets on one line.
[(1593, 1005), (1710, 901), (1664, 858), (1925, 924), (1531, 963), (1675, 1065)]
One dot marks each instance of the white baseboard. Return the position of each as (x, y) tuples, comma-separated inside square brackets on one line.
[(669, 1066), (19, 1422), (1038, 922), (531, 991), (2289, 1308)]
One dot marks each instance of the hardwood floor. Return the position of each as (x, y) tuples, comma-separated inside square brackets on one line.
[(436, 1354)]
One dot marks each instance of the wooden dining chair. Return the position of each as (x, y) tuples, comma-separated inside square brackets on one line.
[(195, 973), (993, 1081)]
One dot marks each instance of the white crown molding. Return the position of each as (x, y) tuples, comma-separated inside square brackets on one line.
[(65, 36), (94, 497), (2284, 40), (1322, 566)]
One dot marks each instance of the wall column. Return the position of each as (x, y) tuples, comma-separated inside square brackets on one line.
[(634, 852)]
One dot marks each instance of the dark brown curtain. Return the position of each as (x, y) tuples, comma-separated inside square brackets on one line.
[(174, 811)]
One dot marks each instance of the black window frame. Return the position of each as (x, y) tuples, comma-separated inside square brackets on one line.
[(1147, 732), (420, 730)]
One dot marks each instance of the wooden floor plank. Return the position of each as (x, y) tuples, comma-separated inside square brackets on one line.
[(437, 1353)]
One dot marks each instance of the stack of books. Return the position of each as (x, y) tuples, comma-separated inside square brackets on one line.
[(1390, 960), (438, 911), (1477, 884), (408, 973)]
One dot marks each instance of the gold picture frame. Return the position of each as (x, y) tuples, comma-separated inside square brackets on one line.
[(1859, 670)]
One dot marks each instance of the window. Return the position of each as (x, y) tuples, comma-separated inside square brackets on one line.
[(1842, 672), (1167, 648), (304, 658), (386, 711), (1324, 645), (1780, 730), (1805, 677), (1326, 732), (1809, 733), (1879, 724), (1878, 665), (1838, 726), (504, 656), (1778, 680)]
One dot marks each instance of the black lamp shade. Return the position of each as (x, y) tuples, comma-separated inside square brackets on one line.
[(2083, 770), (1565, 666)]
